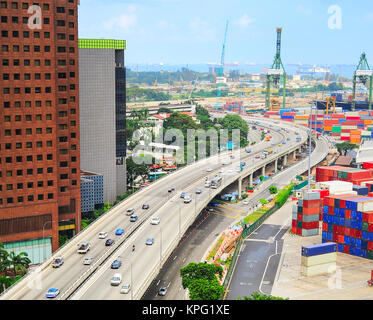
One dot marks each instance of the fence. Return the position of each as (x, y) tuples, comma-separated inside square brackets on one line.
[(246, 232)]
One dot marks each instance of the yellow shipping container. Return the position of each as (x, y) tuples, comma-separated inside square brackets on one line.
[(319, 259), (319, 269), (366, 122)]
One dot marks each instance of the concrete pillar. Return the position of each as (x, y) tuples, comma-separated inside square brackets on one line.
[(285, 162), (264, 170), (251, 182), (276, 165), (295, 154), (240, 188)]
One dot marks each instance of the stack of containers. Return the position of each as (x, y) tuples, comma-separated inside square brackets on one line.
[(319, 259), (323, 194), (348, 221), (301, 119), (328, 173), (368, 165), (337, 187), (306, 215), (361, 190)]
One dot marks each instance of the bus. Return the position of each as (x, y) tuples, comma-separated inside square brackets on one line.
[(156, 175), (216, 182)]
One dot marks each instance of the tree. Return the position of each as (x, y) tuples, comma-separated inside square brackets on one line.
[(202, 289), (233, 121), (195, 271), (273, 190), (258, 296), (135, 170), (164, 110), (345, 146), (19, 263)]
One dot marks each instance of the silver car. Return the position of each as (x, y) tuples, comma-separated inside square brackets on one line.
[(88, 261), (125, 288)]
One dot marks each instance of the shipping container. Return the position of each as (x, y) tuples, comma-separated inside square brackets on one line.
[(318, 249), (319, 269)]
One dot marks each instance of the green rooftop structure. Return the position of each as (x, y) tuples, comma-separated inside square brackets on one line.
[(102, 44)]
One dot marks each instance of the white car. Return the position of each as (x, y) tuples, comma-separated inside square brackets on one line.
[(155, 221), (102, 235), (125, 289), (221, 171), (245, 202), (230, 170), (116, 279), (130, 212), (187, 199), (209, 170), (87, 261)]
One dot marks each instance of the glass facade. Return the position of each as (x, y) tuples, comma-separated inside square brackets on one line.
[(38, 250)]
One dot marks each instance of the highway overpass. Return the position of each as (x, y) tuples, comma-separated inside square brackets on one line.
[(78, 281)]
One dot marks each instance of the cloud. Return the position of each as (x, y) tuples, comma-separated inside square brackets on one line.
[(304, 10), (125, 22), (244, 21)]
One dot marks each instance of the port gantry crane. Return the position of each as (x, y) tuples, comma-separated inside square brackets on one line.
[(363, 74), (275, 74), (221, 69)]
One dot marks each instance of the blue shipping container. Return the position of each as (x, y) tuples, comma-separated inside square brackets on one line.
[(318, 249)]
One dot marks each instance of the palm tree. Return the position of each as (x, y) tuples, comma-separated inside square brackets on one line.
[(5, 283), (4, 262), (20, 262)]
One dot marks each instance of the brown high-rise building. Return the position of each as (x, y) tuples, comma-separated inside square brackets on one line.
[(39, 124)]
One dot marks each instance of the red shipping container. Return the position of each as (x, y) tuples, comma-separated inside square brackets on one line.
[(311, 211), (368, 217), (294, 230), (370, 227), (358, 234), (310, 225), (311, 204), (340, 239), (347, 231), (300, 217), (299, 231), (346, 249), (321, 217), (331, 211), (335, 237), (294, 223), (370, 245), (324, 226)]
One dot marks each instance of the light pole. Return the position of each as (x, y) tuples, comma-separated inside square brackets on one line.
[(160, 249), (309, 151), (44, 237), (131, 281)]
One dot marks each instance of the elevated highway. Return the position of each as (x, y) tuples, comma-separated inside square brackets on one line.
[(77, 281)]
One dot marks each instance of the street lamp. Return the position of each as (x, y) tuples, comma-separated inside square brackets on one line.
[(45, 223), (160, 249), (131, 281)]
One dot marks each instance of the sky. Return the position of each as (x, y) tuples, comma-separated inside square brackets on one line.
[(192, 31)]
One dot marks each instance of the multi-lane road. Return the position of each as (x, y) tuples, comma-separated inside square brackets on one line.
[(141, 265)]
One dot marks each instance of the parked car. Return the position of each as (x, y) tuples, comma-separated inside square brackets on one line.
[(57, 262), (155, 221), (102, 235), (116, 279), (162, 291), (52, 293), (109, 242), (119, 232), (116, 264), (149, 241)]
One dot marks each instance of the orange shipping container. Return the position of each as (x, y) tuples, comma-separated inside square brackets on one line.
[(355, 132), (328, 128)]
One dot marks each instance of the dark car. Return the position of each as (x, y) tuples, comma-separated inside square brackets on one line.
[(133, 218), (171, 190), (162, 291), (109, 242), (116, 264), (145, 206)]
